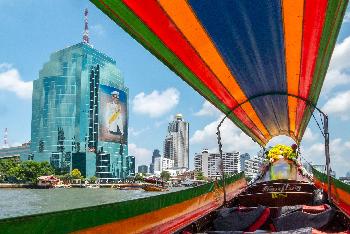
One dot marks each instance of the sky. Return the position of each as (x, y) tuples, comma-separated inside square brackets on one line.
[(33, 29)]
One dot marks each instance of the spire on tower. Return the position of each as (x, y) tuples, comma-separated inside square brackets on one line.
[(86, 28)]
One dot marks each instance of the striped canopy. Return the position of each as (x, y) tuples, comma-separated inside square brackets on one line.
[(261, 62)]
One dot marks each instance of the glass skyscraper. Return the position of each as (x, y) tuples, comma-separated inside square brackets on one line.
[(79, 113)]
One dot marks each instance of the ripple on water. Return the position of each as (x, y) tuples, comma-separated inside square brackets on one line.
[(19, 202)]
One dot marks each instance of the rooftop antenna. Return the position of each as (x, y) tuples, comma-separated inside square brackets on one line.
[(5, 139), (86, 28)]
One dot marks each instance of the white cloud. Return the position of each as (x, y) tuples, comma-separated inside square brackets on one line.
[(309, 135), (10, 80), (339, 149), (339, 105), (347, 17), (208, 110), (232, 138), (339, 68), (135, 132), (156, 103), (143, 156), (98, 30)]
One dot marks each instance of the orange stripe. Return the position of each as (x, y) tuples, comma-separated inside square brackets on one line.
[(293, 27), (337, 193), (184, 18), (159, 220)]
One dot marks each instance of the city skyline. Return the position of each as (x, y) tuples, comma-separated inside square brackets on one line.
[(156, 94)]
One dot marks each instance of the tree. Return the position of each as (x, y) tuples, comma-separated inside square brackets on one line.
[(200, 175), (29, 171), (138, 177), (93, 179), (66, 178), (5, 166), (76, 174), (165, 175)]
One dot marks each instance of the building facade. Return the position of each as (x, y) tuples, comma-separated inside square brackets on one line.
[(156, 154), (161, 164), (252, 167), (79, 114), (22, 152), (176, 143), (142, 169), (243, 158), (130, 166), (209, 163)]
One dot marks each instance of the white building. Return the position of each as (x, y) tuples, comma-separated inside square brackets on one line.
[(253, 165), (209, 163), (161, 164), (176, 143)]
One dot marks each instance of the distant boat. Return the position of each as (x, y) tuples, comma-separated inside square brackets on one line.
[(47, 181)]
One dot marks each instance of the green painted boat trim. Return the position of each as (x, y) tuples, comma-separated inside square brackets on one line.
[(87, 217)]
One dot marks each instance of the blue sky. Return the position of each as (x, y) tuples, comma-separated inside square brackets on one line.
[(32, 30)]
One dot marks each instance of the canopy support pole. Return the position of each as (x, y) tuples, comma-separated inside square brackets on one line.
[(326, 144), (221, 165), (308, 102)]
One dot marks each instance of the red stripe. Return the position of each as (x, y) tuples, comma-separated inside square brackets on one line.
[(314, 18), (155, 18), (182, 221)]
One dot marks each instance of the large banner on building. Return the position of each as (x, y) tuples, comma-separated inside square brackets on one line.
[(113, 115)]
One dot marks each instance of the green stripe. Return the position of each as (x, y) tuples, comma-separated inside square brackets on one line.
[(81, 218), (337, 183), (329, 35), (141, 33)]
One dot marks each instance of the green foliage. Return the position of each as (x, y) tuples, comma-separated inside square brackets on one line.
[(138, 177), (76, 174), (66, 177), (165, 175), (29, 171), (199, 175), (93, 179), (5, 166)]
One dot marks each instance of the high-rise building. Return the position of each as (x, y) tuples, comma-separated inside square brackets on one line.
[(176, 143), (79, 114), (155, 155), (161, 163), (209, 163), (142, 169), (243, 158), (252, 167), (130, 166)]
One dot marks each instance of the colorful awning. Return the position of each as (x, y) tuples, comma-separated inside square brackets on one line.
[(255, 60)]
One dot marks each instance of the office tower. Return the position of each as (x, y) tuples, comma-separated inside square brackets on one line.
[(155, 155), (176, 143), (142, 169), (79, 113), (209, 163), (130, 165)]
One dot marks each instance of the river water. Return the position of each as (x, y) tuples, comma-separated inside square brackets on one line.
[(19, 202)]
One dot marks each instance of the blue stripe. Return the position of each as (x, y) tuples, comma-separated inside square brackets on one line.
[(249, 36)]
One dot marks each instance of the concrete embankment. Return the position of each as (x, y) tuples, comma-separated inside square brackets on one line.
[(15, 186)]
